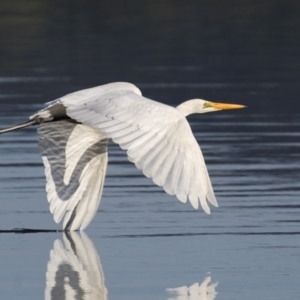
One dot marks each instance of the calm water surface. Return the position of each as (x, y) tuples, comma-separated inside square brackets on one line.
[(142, 243), (151, 245)]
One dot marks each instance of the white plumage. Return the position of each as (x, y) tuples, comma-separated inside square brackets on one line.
[(75, 160), (73, 139), (157, 137)]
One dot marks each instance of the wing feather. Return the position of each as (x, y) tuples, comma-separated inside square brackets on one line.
[(144, 154), (157, 137), (149, 162), (75, 160)]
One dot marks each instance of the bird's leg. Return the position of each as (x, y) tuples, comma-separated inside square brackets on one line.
[(35, 121)]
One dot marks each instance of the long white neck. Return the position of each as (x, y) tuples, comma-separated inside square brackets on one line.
[(189, 107)]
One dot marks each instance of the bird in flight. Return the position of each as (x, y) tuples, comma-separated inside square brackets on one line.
[(74, 131)]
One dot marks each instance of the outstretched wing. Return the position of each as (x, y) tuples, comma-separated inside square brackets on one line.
[(157, 137), (75, 160)]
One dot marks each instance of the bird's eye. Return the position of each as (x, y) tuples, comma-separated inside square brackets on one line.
[(206, 104)]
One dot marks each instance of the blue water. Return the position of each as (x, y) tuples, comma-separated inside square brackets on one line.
[(148, 241), (142, 243)]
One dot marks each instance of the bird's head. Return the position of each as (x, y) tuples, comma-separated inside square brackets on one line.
[(208, 106), (200, 106)]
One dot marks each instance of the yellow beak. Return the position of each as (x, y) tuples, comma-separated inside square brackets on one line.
[(226, 106)]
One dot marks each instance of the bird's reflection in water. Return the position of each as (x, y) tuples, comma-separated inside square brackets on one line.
[(204, 291), (74, 270)]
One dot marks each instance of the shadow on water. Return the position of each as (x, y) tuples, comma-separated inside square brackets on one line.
[(28, 230), (74, 270), (206, 290)]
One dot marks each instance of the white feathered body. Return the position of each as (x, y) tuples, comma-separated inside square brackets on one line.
[(157, 137)]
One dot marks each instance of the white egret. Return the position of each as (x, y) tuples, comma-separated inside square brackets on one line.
[(74, 132)]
